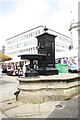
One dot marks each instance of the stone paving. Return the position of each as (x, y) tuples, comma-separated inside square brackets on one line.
[(10, 108), (43, 110)]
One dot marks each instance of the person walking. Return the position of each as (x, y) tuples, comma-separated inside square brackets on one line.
[(24, 69), (0, 72), (18, 68), (72, 66)]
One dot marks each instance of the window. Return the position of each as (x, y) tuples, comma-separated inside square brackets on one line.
[(60, 37), (31, 34), (38, 31), (24, 43)]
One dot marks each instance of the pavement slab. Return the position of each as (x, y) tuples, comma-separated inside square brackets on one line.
[(43, 110), (29, 109), (70, 109), (9, 104), (10, 108)]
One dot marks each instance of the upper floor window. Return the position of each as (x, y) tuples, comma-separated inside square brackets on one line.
[(38, 31)]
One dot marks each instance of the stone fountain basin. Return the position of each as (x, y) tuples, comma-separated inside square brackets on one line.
[(47, 88)]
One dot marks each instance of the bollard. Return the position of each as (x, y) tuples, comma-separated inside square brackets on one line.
[(16, 93)]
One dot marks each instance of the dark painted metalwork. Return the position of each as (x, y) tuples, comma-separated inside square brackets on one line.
[(45, 56), (16, 93), (46, 46)]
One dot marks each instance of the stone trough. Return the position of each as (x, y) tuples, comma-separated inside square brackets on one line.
[(48, 88)]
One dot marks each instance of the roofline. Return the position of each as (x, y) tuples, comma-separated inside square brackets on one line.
[(33, 29), (59, 33), (76, 25), (24, 32), (46, 34)]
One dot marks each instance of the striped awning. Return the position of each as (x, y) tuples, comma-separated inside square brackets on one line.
[(4, 57)]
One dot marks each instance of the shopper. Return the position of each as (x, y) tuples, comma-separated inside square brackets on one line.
[(0, 72), (18, 68), (72, 66), (24, 69)]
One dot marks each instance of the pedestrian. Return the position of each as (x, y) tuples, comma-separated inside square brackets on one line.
[(61, 60), (24, 69), (72, 66), (9, 66), (14, 66), (18, 68), (0, 72), (35, 64)]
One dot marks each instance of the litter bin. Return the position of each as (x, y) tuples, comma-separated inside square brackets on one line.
[(62, 68)]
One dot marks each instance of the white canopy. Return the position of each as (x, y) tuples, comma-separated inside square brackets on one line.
[(14, 60), (69, 53)]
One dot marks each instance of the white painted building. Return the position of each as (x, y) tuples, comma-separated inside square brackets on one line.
[(79, 35), (26, 42), (74, 34)]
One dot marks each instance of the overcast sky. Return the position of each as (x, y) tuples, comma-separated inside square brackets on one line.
[(17, 16)]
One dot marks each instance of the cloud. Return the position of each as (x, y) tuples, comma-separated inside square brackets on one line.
[(31, 13)]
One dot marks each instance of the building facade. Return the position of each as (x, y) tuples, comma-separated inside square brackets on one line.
[(79, 35), (74, 34), (26, 42), (3, 49)]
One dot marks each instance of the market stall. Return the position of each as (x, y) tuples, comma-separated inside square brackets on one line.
[(15, 66), (4, 57)]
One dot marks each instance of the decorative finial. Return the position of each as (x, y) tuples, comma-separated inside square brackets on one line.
[(45, 29)]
